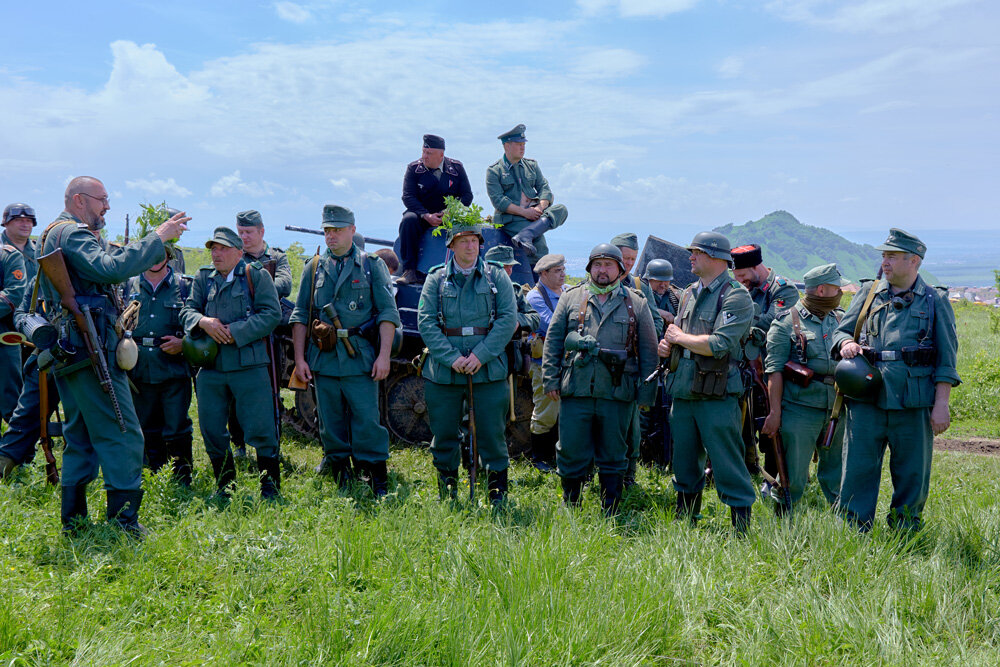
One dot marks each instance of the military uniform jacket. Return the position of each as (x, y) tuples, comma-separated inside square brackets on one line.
[(777, 294), (608, 323), (669, 300), (424, 192), (12, 284), (159, 315), (503, 189), (783, 346), (466, 301), (94, 269), (250, 320), (888, 329), (527, 317), (282, 269), (356, 296), (28, 255), (647, 294), (727, 325)]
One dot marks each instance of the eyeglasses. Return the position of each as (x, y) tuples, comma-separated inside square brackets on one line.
[(100, 199)]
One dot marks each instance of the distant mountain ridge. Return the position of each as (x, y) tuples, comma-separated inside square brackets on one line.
[(791, 248)]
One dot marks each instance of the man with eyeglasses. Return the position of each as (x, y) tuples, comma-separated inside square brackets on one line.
[(13, 278), (908, 334), (99, 432)]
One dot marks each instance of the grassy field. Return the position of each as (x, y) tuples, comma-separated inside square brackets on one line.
[(976, 402)]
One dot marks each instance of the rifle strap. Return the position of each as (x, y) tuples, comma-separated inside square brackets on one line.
[(631, 344), (312, 292), (863, 315), (582, 314), (800, 338)]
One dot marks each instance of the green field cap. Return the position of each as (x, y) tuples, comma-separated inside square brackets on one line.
[(249, 218), (626, 240), (460, 230), (823, 275), (502, 254), (225, 236), (902, 241), (337, 216)]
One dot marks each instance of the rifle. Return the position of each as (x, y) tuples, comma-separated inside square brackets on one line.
[(755, 370), (319, 232), (473, 443), (51, 471), (126, 229), (54, 267)]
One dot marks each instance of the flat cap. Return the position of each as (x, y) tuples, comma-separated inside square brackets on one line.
[(502, 254), (337, 216), (626, 240), (747, 256), (550, 261), (433, 141), (249, 218), (902, 241), (514, 134), (225, 236), (827, 274)]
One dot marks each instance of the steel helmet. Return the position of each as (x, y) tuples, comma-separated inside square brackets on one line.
[(713, 244), (857, 378), (200, 351), (19, 210), (659, 269), (606, 251)]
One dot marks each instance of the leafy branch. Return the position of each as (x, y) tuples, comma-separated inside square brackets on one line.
[(458, 214)]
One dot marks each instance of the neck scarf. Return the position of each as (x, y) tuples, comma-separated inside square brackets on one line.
[(821, 306), (597, 289)]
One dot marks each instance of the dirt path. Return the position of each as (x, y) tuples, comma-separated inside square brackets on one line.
[(970, 445)]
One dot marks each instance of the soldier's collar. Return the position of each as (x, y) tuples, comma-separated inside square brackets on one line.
[(350, 254), (453, 266), (719, 281)]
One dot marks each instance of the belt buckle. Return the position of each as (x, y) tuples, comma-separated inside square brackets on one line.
[(341, 333), (686, 353), (148, 342), (890, 355), (468, 331)]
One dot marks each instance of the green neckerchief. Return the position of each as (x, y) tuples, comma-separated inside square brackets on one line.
[(595, 289)]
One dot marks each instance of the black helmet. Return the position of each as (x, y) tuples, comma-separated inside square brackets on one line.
[(857, 378), (606, 251), (19, 211), (659, 269), (713, 244), (200, 351)]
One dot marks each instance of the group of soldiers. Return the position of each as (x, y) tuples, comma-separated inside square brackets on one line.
[(733, 361)]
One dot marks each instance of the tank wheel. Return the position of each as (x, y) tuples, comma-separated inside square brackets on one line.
[(405, 409), (303, 419)]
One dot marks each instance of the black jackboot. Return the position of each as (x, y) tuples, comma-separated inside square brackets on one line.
[(740, 516), (378, 478), (123, 509), (179, 450), (525, 239), (629, 479), (611, 492), (543, 450), (270, 477), (689, 506), (74, 508), (448, 484), (571, 488), (154, 451), (225, 475), (496, 484)]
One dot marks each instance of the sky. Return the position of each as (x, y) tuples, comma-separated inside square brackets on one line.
[(661, 117)]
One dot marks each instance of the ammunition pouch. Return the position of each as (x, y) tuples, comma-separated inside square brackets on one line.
[(710, 375), (920, 355), (797, 373), (614, 361), (323, 335)]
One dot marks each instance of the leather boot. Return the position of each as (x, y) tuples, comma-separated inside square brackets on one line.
[(448, 484), (496, 484), (179, 449), (571, 488), (123, 510), (270, 477), (74, 508), (611, 492), (7, 466), (689, 506), (225, 475), (525, 238), (543, 450), (378, 478), (154, 453), (411, 277), (740, 516), (629, 479)]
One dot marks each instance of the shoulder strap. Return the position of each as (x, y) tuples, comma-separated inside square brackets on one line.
[(863, 315), (312, 289), (545, 296), (630, 337), (582, 314), (681, 309), (249, 279), (800, 338)]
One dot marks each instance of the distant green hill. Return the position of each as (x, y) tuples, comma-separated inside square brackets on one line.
[(792, 248)]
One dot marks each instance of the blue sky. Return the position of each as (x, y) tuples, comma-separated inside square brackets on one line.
[(659, 116)]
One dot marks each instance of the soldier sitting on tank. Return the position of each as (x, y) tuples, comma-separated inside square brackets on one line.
[(522, 197)]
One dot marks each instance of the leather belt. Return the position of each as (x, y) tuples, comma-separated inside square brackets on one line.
[(344, 333), (465, 331), (887, 355), (150, 342), (825, 379)]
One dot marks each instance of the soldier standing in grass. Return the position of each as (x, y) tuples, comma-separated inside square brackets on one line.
[(161, 375), (359, 289), (467, 315), (600, 346), (908, 333), (800, 405), (704, 345), (236, 305), (12, 284)]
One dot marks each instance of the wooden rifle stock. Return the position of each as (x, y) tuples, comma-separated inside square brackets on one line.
[(51, 471)]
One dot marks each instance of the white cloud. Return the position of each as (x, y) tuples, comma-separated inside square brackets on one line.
[(730, 67), (882, 16), (608, 64), (290, 11), (158, 187), (636, 8), (234, 184), (340, 183)]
